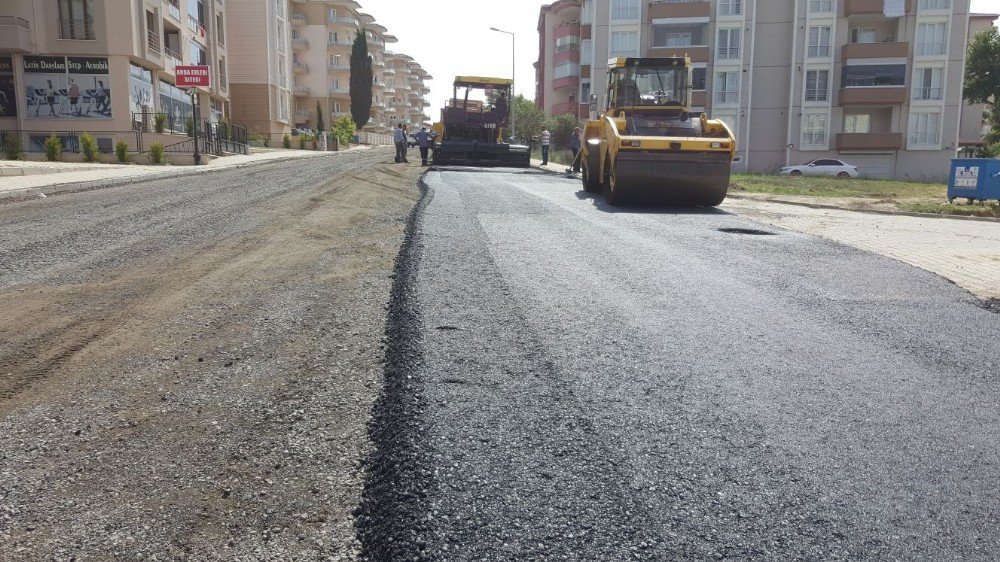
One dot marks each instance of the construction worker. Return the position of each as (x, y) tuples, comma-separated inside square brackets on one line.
[(574, 145), (424, 142), (399, 137), (546, 140)]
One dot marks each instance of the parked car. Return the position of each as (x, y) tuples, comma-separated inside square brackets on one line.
[(822, 167), (413, 140), (297, 132)]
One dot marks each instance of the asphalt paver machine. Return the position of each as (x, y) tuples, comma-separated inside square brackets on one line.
[(474, 123), (647, 146)]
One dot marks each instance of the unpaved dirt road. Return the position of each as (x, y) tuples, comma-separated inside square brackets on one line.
[(187, 367)]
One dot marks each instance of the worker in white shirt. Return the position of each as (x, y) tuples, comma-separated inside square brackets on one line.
[(546, 140)]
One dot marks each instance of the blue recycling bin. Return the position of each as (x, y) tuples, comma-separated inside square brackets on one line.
[(974, 179)]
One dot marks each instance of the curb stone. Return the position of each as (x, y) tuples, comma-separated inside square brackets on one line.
[(869, 211), (90, 185)]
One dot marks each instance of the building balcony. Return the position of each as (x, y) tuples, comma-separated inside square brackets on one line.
[(299, 43), (304, 113), (341, 20), (887, 50), (870, 141), (331, 44), (694, 9), (697, 54), (868, 8), (570, 107), (566, 30), (334, 91), (339, 68), (301, 90), (300, 67), (565, 83), (299, 19), (568, 55), (873, 95)]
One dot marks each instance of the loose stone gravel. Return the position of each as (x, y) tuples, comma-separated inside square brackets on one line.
[(187, 369)]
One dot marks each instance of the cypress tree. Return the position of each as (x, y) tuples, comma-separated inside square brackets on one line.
[(362, 78), (320, 125)]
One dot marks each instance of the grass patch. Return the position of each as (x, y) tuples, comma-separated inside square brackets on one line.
[(835, 187), (974, 210)]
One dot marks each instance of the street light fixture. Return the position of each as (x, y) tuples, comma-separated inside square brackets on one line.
[(513, 67)]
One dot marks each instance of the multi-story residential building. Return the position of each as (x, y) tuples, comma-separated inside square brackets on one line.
[(82, 65), (405, 91), (874, 82), (260, 80), (322, 34)]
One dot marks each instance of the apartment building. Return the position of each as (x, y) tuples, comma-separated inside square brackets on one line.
[(322, 35), (873, 82), (84, 65), (405, 91), (260, 73)]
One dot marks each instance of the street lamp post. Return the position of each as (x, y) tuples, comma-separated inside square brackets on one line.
[(513, 67)]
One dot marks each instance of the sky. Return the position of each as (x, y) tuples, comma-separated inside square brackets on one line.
[(452, 38)]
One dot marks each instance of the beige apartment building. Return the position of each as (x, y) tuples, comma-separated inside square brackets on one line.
[(85, 65), (322, 34), (405, 91), (876, 83), (260, 73)]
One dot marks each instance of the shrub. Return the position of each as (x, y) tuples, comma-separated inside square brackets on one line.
[(53, 148), (257, 139), (156, 153), (88, 145), (225, 128), (12, 147), (121, 151), (189, 125), (286, 141), (302, 141), (344, 130), (160, 123)]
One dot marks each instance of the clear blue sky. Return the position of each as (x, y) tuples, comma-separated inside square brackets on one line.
[(453, 37)]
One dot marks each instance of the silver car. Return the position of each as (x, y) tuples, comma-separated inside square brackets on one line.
[(822, 167)]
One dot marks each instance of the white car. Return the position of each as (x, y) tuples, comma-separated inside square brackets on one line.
[(822, 167)]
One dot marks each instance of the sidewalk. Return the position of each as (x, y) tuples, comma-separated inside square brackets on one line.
[(46, 178), (965, 252)]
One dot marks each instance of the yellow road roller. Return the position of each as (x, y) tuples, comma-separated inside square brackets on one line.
[(647, 146)]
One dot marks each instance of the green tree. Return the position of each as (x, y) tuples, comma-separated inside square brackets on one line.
[(529, 120), (343, 128), (561, 127), (982, 84), (362, 79), (320, 125)]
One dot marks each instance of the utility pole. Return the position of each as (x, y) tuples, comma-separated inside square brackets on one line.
[(513, 68), (195, 117)]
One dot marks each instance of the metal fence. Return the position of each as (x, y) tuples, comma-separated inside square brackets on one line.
[(34, 141)]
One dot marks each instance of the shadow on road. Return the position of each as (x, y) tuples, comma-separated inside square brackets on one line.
[(653, 209)]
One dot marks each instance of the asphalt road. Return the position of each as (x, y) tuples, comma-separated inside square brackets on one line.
[(573, 381)]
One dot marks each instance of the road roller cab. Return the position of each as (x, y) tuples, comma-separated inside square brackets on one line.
[(647, 146)]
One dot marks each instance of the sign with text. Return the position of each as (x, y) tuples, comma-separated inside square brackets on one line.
[(67, 87), (192, 76)]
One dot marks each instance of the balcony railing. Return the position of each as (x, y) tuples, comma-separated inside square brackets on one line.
[(174, 9), (77, 29), (567, 47), (339, 67), (299, 18), (302, 90), (300, 42), (153, 40), (300, 66), (341, 19), (223, 82)]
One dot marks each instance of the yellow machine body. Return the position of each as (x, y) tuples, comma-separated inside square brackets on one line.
[(647, 146)]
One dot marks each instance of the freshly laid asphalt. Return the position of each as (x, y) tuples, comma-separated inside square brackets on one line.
[(568, 380)]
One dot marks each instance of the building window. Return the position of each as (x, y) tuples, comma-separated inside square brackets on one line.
[(565, 69), (585, 92), (698, 78), (728, 45), (817, 85), (927, 84), (568, 43), (931, 38), (76, 19), (925, 129), (197, 54), (220, 30), (586, 52), (727, 87), (857, 123), (680, 35), (820, 6), (730, 7), (863, 34), (867, 75), (819, 42), (624, 10), (814, 130), (934, 5), (624, 44)]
